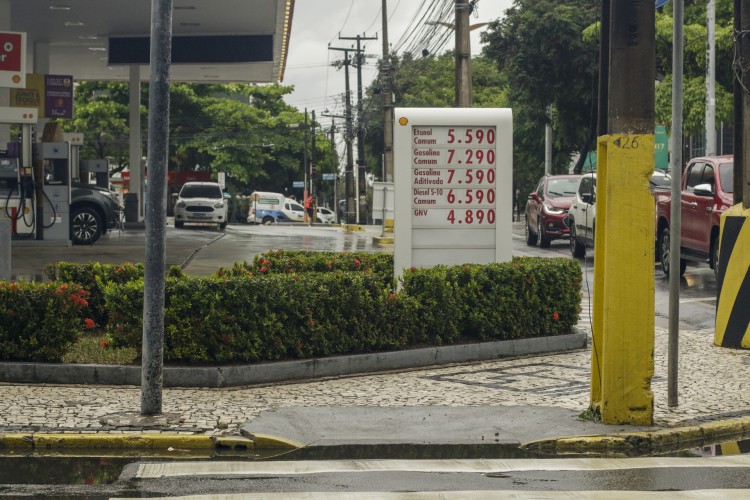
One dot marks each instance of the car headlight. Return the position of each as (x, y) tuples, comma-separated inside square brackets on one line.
[(552, 210), (219, 205), (180, 204)]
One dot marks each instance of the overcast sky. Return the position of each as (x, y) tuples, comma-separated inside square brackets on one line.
[(318, 23)]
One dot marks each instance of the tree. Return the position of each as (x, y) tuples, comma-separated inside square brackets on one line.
[(540, 49), (101, 115), (427, 82), (242, 130)]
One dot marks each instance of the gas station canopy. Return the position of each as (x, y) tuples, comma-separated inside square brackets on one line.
[(214, 41)]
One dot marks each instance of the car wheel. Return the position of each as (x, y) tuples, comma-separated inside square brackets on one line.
[(267, 220), (530, 237), (222, 225), (665, 253), (87, 226), (179, 224), (543, 238), (715, 256), (576, 248)]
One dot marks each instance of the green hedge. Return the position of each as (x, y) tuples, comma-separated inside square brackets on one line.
[(240, 318), (303, 261), (291, 304), (40, 321), (94, 276)]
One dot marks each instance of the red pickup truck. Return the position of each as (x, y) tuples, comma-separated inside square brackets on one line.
[(707, 191)]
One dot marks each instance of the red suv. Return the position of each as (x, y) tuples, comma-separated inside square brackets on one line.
[(547, 208)]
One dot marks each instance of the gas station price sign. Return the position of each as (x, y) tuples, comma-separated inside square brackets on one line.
[(453, 185)]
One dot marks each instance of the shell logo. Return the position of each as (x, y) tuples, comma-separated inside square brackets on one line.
[(403, 121), (16, 78)]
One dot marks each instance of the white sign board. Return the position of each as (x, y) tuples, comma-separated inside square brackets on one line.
[(453, 173)]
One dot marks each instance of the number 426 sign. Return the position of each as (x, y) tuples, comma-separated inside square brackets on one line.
[(453, 183)]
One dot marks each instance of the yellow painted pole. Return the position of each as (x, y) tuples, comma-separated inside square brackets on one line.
[(624, 281)]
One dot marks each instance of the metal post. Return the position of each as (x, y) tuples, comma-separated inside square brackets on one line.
[(711, 78), (156, 214), (738, 94), (675, 205)]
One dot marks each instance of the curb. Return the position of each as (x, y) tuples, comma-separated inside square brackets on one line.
[(638, 443), (284, 371), (141, 441)]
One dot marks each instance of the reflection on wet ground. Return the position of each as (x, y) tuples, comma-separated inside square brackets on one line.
[(95, 470)]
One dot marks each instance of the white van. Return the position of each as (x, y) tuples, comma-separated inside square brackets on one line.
[(266, 208)]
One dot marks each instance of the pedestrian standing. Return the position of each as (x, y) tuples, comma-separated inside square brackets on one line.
[(310, 210)]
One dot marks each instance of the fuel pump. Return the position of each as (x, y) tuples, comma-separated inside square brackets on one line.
[(17, 197), (56, 189)]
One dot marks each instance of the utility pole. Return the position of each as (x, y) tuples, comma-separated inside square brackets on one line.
[(463, 54), (361, 170), (304, 158), (312, 157), (349, 134), (743, 170), (623, 330), (386, 73), (332, 131)]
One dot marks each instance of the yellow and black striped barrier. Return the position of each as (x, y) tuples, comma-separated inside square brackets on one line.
[(733, 286), (732, 448)]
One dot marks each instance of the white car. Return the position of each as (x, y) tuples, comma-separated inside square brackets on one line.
[(201, 203), (582, 215), (326, 215)]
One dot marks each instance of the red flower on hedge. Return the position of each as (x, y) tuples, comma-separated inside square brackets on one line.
[(89, 323), (357, 262), (263, 269), (555, 316), (330, 266), (412, 268), (312, 322), (103, 344)]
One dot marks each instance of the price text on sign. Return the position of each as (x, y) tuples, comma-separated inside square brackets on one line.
[(456, 217), (482, 197), (454, 176)]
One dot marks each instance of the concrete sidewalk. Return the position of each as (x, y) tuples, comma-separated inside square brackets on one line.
[(517, 400)]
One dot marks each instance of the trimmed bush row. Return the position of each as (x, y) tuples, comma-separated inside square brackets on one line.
[(283, 316), (40, 321), (293, 304), (302, 261)]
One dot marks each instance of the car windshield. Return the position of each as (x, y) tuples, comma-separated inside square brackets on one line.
[(562, 187), (661, 180), (200, 191), (726, 174)]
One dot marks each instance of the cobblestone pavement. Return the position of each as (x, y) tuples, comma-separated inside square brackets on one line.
[(714, 384)]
